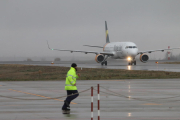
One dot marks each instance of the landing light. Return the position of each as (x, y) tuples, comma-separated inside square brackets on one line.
[(129, 58)]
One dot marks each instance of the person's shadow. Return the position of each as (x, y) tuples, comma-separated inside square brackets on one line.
[(71, 115)]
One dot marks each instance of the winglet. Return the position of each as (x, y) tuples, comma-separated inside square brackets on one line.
[(48, 46), (107, 35)]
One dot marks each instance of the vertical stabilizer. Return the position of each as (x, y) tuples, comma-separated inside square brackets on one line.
[(107, 35)]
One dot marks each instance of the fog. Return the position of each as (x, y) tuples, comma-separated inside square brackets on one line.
[(26, 25)]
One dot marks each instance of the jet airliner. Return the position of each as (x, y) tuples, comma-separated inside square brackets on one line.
[(117, 50)]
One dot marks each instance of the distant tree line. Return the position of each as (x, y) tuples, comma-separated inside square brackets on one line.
[(43, 59)]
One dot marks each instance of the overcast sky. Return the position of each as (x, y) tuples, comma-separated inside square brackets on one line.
[(25, 25)]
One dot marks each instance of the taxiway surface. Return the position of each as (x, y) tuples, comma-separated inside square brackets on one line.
[(155, 99), (112, 64)]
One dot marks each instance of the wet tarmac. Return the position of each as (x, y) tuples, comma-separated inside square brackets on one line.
[(112, 64), (147, 99)]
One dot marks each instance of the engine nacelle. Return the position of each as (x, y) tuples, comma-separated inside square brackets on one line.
[(99, 58), (144, 58)]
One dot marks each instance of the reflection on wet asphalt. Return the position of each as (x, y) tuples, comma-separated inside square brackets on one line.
[(140, 99)]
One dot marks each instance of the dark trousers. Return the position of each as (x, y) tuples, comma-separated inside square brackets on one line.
[(70, 98)]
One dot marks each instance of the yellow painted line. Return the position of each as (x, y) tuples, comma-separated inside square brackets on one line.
[(39, 96), (56, 99), (47, 97), (151, 104)]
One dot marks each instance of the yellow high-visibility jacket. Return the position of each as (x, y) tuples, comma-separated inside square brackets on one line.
[(71, 79)]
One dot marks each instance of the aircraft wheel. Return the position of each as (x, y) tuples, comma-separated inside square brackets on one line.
[(102, 63), (106, 63), (134, 62)]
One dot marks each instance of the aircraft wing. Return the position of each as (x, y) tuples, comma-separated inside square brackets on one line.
[(104, 53), (107, 53), (93, 46), (149, 51)]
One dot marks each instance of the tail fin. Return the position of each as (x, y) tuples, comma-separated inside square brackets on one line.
[(107, 35)]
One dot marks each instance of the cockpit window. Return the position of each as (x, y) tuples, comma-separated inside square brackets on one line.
[(130, 47)]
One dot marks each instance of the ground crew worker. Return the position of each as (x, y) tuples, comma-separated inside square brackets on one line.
[(70, 86)]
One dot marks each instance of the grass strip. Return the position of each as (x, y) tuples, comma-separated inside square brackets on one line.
[(16, 72)]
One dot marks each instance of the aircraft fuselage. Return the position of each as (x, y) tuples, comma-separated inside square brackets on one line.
[(121, 50)]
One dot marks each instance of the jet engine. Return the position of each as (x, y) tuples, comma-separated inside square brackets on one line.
[(144, 58), (99, 58)]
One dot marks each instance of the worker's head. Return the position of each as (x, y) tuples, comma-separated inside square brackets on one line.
[(74, 66)]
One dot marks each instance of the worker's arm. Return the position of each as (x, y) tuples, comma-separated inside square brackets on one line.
[(77, 76), (71, 80)]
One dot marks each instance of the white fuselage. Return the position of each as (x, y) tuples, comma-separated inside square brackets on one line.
[(121, 50)]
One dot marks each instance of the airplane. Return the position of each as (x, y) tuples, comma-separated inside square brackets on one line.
[(116, 50)]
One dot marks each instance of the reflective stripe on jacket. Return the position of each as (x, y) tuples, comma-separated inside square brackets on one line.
[(71, 79)]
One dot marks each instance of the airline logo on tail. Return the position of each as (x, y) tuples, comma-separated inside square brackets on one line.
[(107, 35)]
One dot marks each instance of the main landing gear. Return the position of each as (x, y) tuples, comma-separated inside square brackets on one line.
[(132, 62), (105, 62)]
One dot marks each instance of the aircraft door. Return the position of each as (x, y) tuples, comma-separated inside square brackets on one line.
[(119, 51)]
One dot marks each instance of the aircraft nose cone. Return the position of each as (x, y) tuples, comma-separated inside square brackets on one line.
[(133, 52)]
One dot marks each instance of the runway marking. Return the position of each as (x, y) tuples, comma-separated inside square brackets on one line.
[(151, 104), (39, 95)]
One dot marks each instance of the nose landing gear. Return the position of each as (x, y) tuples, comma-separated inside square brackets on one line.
[(132, 62), (105, 62)]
